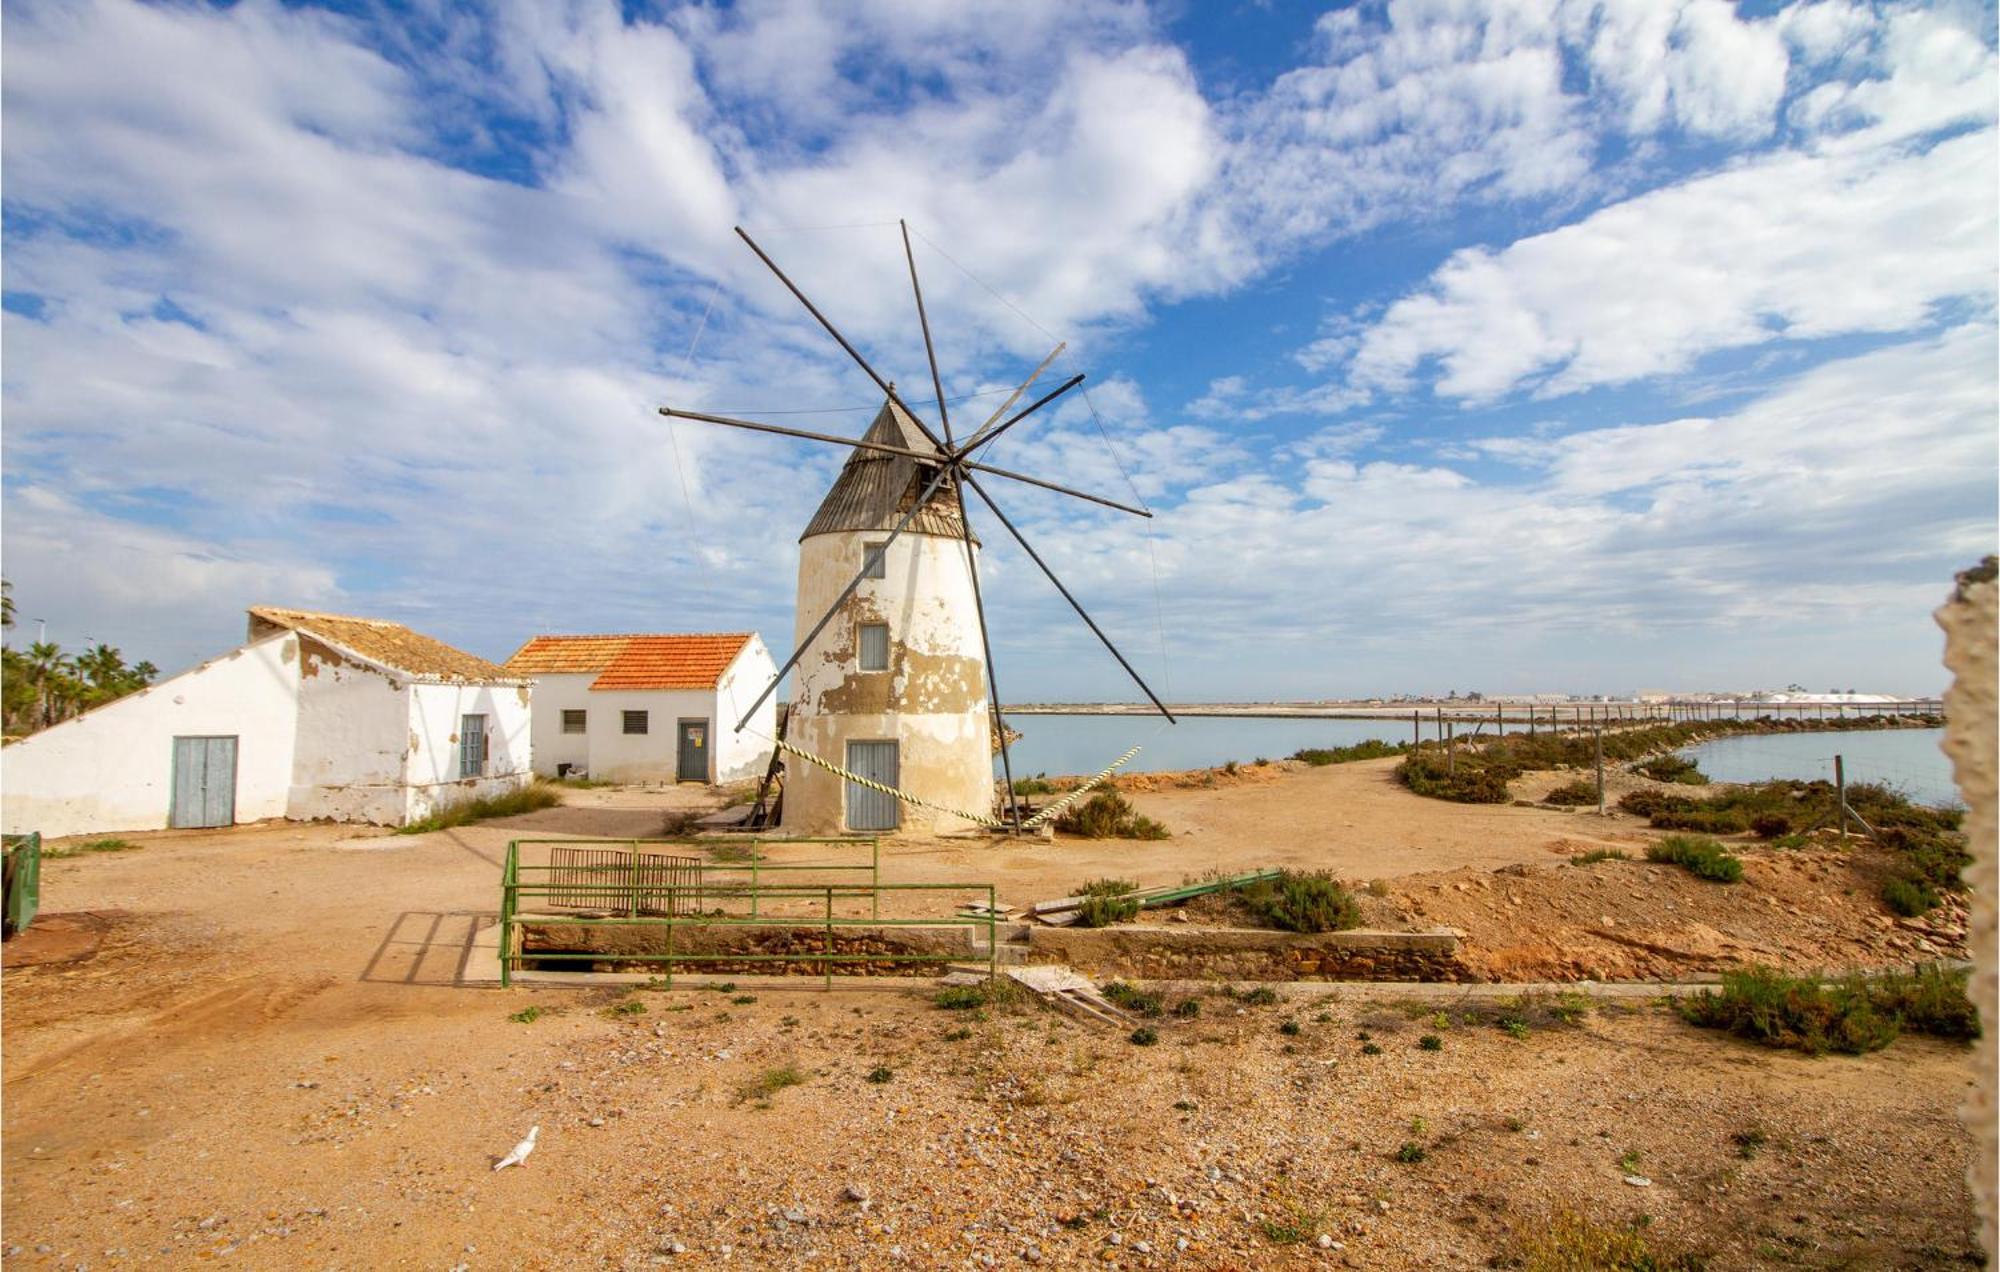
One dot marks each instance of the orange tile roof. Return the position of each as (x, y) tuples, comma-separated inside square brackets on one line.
[(390, 644), (660, 661)]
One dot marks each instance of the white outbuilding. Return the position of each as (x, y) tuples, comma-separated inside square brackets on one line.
[(315, 716), (660, 707)]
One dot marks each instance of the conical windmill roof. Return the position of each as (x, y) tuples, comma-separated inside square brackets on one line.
[(875, 489)]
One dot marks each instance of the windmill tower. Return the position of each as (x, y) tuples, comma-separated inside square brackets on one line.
[(895, 681), (895, 690)]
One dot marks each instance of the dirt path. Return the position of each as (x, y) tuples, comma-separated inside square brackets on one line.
[(270, 1061)]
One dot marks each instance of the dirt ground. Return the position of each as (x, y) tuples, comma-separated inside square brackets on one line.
[(270, 1060)]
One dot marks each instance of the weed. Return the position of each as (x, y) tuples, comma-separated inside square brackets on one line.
[(630, 1007), (1371, 1048), (1363, 1036), (1378, 887), (744, 1000), (1299, 901), (1185, 1106), (1295, 1227), (1515, 1124), (1748, 1141), (957, 1035), (881, 1075), (1262, 996), (1431, 1042), (1410, 1153), (1145, 1036), (1628, 1161), (1290, 1029), (1568, 1242), (537, 794), (1230, 768), (1515, 1027), (526, 1016), (94, 846), (1596, 855), (1323, 1018), (1036, 785), (770, 1082), (1704, 858), (960, 997), (1440, 1020), (1419, 1127), (1188, 1008), (1771, 825), (734, 854)]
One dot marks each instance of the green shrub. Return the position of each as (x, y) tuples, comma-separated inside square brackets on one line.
[(1290, 1029), (1464, 782), (769, 1083), (1596, 855), (1262, 996), (1371, 1048), (1569, 1242), (1109, 815), (960, 997), (1703, 857), (1106, 901), (1133, 999), (881, 1074), (1431, 1042), (1572, 794), (1909, 897), (1145, 1036), (1188, 1008), (526, 1016), (1372, 749), (87, 848), (1410, 1153), (1299, 901), (1770, 825), (537, 794), (1673, 768), (1853, 1014)]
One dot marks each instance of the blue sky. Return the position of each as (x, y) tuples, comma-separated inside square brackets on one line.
[(1584, 345)]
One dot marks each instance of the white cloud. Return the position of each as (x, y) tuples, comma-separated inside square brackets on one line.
[(1796, 246)]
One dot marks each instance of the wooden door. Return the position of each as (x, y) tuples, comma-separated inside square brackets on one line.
[(204, 782), (869, 809)]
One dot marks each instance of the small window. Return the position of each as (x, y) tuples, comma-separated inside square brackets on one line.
[(875, 560), (874, 647), (635, 722), (573, 721), (471, 746)]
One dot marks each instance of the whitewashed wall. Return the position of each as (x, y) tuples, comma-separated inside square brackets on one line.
[(351, 740), (431, 767), (617, 756), (551, 746), (742, 756), (932, 700), (112, 769)]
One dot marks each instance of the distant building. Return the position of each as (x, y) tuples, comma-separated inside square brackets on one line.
[(649, 708), (315, 716)]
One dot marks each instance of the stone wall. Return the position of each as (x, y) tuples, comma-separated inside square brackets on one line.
[(621, 945), (1237, 954)]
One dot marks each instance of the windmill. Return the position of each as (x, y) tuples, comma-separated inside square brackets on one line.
[(896, 709)]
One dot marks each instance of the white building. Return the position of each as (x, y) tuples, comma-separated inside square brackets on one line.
[(650, 708), (316, 716), (895, 688)]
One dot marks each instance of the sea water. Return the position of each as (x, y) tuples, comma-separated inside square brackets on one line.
[(1906, 759)]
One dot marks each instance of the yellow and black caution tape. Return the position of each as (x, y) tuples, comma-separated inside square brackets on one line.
[(991, 823)]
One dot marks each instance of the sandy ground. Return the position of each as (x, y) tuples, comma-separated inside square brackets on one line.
[(270, 1061)]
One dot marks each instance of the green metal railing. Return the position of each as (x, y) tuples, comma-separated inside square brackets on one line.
[(741, 904), (22, 886), (754, 866)]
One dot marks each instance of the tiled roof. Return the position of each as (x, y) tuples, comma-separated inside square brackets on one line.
[(875, 489), (661, 661), (390, 644)]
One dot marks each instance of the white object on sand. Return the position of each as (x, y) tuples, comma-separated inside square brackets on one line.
[(519, 1157)]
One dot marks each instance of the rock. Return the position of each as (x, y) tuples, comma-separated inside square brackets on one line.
[(854, 1192), (1638, 1181), (1325, 1242), (792, 1214)]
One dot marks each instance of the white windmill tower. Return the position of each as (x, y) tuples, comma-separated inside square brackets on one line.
[(895, 682)]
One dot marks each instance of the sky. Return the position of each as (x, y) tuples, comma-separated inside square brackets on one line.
[(1573, 346)]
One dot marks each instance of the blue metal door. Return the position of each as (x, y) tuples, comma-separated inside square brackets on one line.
[(204, 783), (870, 809)]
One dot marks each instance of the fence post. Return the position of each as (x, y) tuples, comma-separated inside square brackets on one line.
[(1416, 731), (632, 885), (829, 937), (875, 876), (754, 855), (1840, 790), (1598, 735), (1450, 749)]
